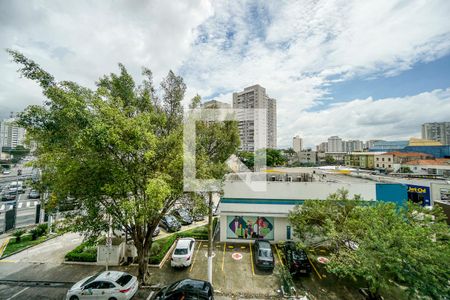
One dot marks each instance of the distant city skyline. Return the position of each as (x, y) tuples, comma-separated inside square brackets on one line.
[(360, 70)]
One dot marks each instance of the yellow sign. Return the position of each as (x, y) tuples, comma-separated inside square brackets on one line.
[(418, 190)]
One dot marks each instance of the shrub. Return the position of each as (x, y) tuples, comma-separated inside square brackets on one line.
[(86, 252), (17, 234), (165, 245), (156, 248), (26, 237), (34, 233), (12, 240), (42, 229)]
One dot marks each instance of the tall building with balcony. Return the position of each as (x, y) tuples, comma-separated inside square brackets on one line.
[(335, 144), (437, 131), (255, 97), (11, 135), (297, 144)]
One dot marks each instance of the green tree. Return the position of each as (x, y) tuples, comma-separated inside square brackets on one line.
[(330, 160), (117, 149), (378, 242)]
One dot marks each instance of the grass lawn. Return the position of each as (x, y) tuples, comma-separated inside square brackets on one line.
[(11, 248)]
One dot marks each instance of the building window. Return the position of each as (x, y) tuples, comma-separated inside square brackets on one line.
[(390, 166), (378, 165), (382, 159), (389, 159)]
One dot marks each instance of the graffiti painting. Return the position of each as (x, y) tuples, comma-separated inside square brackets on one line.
[(250, 227)]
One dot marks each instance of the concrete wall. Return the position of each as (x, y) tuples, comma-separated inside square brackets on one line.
[(298, 190)]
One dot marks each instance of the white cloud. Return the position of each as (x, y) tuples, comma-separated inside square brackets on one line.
[(294, 49), (391, 118)]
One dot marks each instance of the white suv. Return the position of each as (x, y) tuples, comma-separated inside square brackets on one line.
[(183, 253)]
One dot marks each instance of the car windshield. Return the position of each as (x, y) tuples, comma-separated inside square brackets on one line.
[(181, 251), (298, 256), (182, 213), (90, 279), (264, 253), (124, 279)]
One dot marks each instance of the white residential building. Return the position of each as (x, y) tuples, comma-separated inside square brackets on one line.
[(335, 144), (11, 135), (255, 97), (297, 144), (437, 131)]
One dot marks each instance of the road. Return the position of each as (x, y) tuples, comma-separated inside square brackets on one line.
[(26, 208)]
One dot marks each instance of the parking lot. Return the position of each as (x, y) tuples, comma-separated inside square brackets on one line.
[(233, 271)]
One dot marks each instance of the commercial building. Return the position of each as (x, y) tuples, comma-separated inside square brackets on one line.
[(432, 148), (363, 160), (335, 144), (11, 135), (392, 161), (246, 214), (438, 167), (387, 146), (297, 144), (255, 97), (437, 131)]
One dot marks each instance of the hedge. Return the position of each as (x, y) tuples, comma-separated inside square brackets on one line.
[(86, 252), (165, 245)]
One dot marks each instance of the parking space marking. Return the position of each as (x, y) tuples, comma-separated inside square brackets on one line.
[(18, 293), (195, 256), (314, 267), (251, 259), (279, 256), (223, 256)]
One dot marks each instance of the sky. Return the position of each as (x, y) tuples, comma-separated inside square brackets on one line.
[(357, 69)]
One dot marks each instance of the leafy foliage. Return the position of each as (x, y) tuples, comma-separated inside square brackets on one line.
[(379, 242)]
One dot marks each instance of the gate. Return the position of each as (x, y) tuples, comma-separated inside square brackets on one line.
[(10, 219)]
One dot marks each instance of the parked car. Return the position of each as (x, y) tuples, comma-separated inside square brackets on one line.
[(104, 285), (8, 196), (156, 232), (170, 223), (34, 194), (183, 253), (6, 172), (186, 289), (198, 216), (183, 216), (296, 259), (263, 255)]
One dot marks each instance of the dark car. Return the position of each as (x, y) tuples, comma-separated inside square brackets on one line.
[(186, 289), (296, 259), (198, 216), (183, 216), (34, 194), (170, 223), (263, 255)]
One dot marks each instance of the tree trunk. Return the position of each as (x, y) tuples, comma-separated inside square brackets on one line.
[(143, 256)]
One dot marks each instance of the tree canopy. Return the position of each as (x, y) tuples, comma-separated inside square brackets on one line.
[(116, 149), (379, 242)]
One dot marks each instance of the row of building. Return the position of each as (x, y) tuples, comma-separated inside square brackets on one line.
[(247, 214)]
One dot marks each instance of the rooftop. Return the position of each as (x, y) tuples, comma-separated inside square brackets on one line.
[(437, 161), (407, 154)]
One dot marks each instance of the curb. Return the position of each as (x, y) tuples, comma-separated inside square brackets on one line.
[(28, 247)]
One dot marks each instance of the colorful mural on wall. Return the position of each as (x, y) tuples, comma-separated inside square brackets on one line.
[(250, 227)]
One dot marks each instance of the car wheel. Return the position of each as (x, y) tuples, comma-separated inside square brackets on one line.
[(74, 298), (112, 298)]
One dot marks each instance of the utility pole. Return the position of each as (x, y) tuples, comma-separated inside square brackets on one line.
[(210, 238)]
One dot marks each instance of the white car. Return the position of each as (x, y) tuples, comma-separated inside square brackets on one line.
[(183, 253), (107, 285)]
